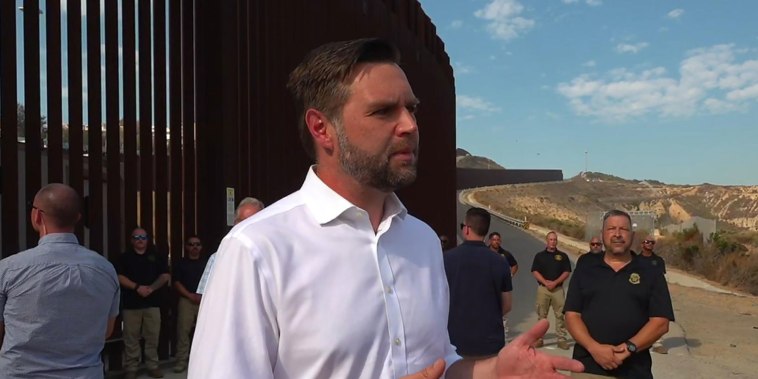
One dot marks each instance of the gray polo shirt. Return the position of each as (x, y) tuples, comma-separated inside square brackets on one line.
[(55, 301)]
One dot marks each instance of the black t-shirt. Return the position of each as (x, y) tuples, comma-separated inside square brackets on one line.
[(188, 272), (477, 278), (551, 265), (654, 260), (615, 306), (142, 269), (508, 256)]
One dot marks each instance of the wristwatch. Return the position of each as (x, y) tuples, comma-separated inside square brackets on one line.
[(631, 347)]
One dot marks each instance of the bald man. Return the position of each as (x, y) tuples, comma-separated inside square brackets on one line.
[(246, 208), (58, 301)]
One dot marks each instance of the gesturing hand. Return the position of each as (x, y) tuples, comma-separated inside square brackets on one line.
[(520, 360), (431, 372)]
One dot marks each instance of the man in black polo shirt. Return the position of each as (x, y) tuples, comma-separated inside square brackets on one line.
[(551, 267), (480, 291), (650, 257), (187, 274), (596, 251), (617, 307), (141, 272), (496, 246)]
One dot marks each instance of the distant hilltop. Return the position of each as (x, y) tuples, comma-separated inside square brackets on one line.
[(735, 207), (464, 159)]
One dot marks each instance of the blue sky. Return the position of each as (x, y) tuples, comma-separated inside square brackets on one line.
[(645, 89)]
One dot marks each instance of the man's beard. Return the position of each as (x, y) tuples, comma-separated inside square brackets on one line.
[(374, 170)]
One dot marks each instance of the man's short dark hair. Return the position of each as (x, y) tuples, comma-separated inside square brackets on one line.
[(616, 212), (495, 234), (478, 220), (321, 80)]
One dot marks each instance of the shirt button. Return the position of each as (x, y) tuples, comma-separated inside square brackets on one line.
[(389, 290), (397, 341)]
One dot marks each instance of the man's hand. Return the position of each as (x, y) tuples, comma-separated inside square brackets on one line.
[(550, 284), (144, 291), (520, 360), (606, 356), (196, 297), (621, 352), (431, 372)]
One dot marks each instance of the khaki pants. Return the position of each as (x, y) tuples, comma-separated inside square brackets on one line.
[(583, 375), (145, 323), (186, 319), (555, 298)]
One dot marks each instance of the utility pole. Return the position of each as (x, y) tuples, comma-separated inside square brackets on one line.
[(585, 161)]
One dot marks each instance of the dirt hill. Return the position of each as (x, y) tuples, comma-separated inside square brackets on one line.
[(736, 207), (464, 159)]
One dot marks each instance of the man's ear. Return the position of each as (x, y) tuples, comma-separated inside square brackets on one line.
[(318, 125)]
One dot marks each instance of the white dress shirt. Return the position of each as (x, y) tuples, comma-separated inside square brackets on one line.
[(306, 289)]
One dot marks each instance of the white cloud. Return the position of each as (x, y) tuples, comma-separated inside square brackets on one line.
[(570, 1), (473, 103), (594, 3), (456, 24), (632, 48), (504, 18), (675, 14), (589, 63), (460, 68), (710, 79)]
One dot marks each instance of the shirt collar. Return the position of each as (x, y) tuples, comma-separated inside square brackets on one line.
[(58, 238), (327, 205)]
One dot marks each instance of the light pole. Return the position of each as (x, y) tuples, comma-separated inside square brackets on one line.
[(585, 161)]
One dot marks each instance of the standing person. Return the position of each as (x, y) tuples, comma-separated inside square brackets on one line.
[(617, 307), (58, 301), (551, 267), (444, 242), (648, 255), (595, 251), (246, 208), (141, 272), (480, 291), (496, 246), (187, 275), (337, 280)]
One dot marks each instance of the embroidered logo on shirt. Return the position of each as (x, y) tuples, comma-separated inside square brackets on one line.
[(558, 257), (634, 278), (655, 263)]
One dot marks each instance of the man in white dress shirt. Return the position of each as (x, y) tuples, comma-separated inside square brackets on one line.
[(337, 280)]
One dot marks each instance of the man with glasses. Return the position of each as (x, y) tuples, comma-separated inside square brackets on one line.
[(187, 275), (596, 250), (650, 257), (58, 300), (480, 291), (142, 271)]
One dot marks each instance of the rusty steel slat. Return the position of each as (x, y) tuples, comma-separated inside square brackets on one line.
[(95, 133), (113, 140), (175, 123), (161, 158), (75, 118), (8, 132), (54, 93), (145, 117), (131, 164), (32, 133), (188, 115)]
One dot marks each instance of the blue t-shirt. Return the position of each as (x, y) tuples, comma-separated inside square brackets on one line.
[(55, 302)]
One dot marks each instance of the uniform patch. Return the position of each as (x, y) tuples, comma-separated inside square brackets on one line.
[(634, 278), (655, 263), (558, 257)]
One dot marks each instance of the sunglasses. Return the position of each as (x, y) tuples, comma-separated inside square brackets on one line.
[(194, 244), (140, 237), (595, 243), (463, 225), (650, 242)]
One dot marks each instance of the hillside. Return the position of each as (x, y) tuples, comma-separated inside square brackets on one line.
[(464, 159), (736, 207)]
